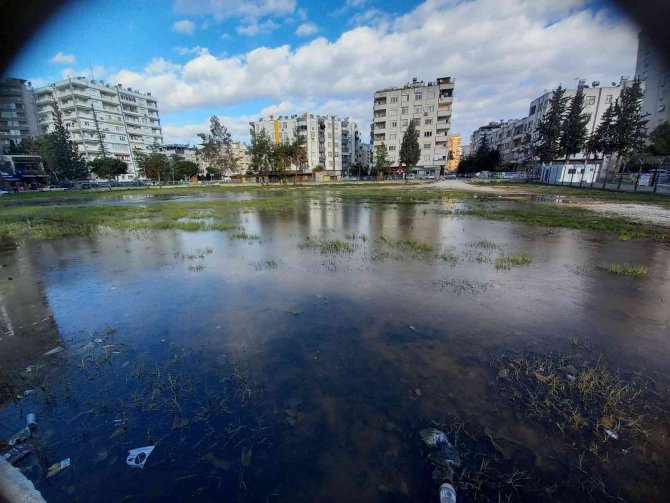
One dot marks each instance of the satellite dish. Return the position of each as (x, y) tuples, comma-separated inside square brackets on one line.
[(613, 84)]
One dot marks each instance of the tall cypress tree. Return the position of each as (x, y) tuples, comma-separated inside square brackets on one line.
[(574, 134), (630, 129), (550, 126), (68, 161), (602, 139), (410, 150)]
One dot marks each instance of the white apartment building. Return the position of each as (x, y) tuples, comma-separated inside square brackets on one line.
[(327, 138), (18, 117), (429, 105), (507, 136), (655, 75), (364, 156), (128, 119)]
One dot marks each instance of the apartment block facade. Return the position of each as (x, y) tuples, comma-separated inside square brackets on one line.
[(654, 72), (429, 106), (128, 120), (18, 115), (330, 142), (455, 152), (508, 136)]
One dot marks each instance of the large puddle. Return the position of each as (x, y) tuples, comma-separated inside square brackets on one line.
[(294, 369)]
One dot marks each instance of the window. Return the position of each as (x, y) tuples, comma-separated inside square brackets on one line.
[(430, 108), (393, 112), (391, 148), (403, 122), (404, 110), (394, 99), (428, 121), (590, 100), (572, 171), (426, 158), (330, 135), (608, 98), (418, 109), (418, 96), (394, 123), (426, 145), (392, 158), (416, 122), (430, 95), (427, 134), (532, 110), (405, 97), (392, 136), (122, 138)]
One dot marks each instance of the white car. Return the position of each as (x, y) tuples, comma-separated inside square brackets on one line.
[(430, 177)]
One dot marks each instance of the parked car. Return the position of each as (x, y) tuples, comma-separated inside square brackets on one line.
[(430, 177), (450, 175), (52, 188), (411, 177)]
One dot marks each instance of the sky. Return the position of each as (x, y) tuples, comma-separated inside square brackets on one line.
[(243, 59)]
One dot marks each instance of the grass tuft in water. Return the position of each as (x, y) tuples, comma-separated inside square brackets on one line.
[(633, 270), (327, 245), (506, 262), (244, 235)]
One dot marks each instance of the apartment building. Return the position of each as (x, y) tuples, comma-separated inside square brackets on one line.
[(654, 72), (241, 153), (18, 115), (364, 157), (429, 106), (330, 142), (454, 152), (508, 136), (127, 119)]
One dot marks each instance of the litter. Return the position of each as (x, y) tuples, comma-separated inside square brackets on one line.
[(447, 493), (412, 328), (31, 421), (137, 457), (443, 451), (29, 368), (17, 453), (125, 364), (20, 436), (98, 340), (56, 467), (28, 392), (55, 350), (163, 341), (611, 434)]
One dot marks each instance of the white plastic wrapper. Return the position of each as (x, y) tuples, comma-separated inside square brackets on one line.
[(137, 457)]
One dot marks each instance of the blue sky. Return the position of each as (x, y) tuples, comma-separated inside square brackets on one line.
[(240, 59)]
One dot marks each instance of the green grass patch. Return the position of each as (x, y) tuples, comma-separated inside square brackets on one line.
[(513, 260), (327, 245), (244, 235), (559, 215), (633, 270)]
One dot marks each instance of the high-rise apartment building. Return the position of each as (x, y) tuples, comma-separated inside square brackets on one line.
[(18, 117), (126, 120), (508, 136), (429, 106), (655, 74), (330, 142), (454, 152)]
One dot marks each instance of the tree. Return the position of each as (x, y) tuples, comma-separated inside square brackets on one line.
[(602, 139), (66, 160), (17, 148), (108, 167), (185, 169), (410, 150), (261, 152), (550, 126), (382, 163), (659, 140), (153, 165), (217, 149), (630, 128), (484, 158), (574, 133)]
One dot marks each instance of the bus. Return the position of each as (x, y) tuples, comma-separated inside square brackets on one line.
[(23, 169)]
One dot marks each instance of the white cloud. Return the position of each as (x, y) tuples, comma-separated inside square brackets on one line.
[(63, 59), (184, 26), (184, 51), (501, 55), (253, 27), (188, 133), (306, 29), (248, 9)]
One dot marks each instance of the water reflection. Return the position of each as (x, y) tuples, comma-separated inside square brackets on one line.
[(369, 350)]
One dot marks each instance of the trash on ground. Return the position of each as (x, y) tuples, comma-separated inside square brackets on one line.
[(31, 420), (28, 392), (611, 434), (412, 328), (447, 493), (125, 364), (442, 450), (137, 457), (18, 452), (56, 467), (55, 350), (98, 340), (20, 436)]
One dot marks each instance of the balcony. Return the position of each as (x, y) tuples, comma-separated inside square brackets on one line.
[(380, 101)]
